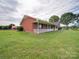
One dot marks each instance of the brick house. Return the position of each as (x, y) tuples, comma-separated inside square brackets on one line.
[(33, 25)]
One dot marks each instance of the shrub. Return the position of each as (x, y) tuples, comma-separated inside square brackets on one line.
[(20, 28), (60, 28)]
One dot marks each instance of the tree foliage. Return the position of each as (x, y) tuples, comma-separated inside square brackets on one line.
[(54, 18), (66, 18), (10, 26)]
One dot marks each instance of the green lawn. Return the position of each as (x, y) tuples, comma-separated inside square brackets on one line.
[(53, 45)]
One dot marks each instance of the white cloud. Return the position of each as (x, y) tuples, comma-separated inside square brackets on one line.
[(45, 8), (14, 10)]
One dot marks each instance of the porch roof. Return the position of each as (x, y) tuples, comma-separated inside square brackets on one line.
[(43, 22)]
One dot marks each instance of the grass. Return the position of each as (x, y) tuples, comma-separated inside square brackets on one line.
[(53, 45)]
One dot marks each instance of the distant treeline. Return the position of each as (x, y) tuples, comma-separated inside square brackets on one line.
[(9, 27), (5, 28)]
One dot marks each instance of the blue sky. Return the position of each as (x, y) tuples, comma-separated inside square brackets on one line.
[(12, 11)]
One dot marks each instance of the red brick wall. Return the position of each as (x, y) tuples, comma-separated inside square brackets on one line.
[(35, 25), (27, 24)]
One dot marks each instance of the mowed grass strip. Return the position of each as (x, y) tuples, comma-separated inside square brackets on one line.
[(52, 45)]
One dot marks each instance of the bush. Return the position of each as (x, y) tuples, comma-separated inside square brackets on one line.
[(60, 28), (20, 28)]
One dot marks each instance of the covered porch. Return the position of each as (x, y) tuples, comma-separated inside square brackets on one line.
[(42, 27)]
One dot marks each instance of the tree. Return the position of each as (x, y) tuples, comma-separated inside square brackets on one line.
[(10, 26), (77, 20), (77, 16), (54, 18), (66, 18)]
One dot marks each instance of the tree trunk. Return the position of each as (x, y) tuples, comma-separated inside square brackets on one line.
[(67, 27)]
